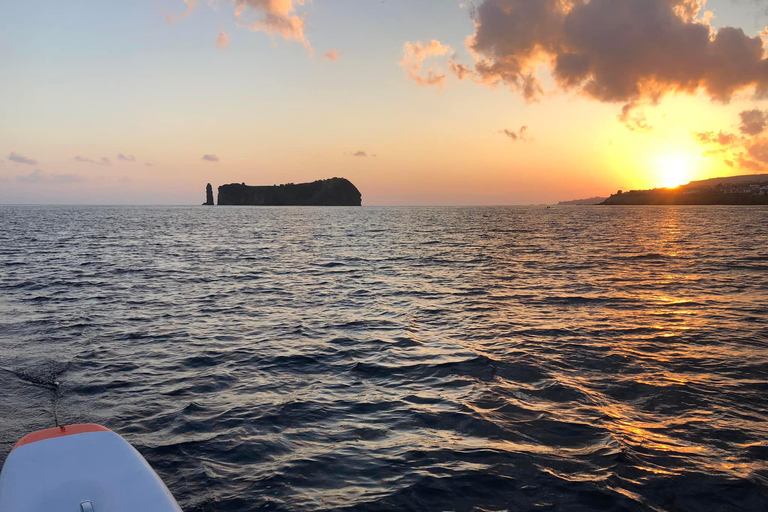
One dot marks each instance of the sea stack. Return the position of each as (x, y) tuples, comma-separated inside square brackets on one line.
[(331, 192), (208, 195)]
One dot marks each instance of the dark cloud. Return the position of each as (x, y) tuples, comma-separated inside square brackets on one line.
[(516, 136), (614, 50), (102, 161), (14, 157), (753, 121), (210, 158), (126, 158), (39, 176)]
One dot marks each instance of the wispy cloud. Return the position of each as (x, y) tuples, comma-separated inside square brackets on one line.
[(332, 55), (15, 157), (722, 138), (519, 135), (210, 158), (191, 5), (222, 42), (360, 154), (634, 118), (40, 176), (126, 158), (414, 54), (275, 17), (102, 161)]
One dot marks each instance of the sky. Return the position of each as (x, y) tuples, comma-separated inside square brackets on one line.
[(417, 102)]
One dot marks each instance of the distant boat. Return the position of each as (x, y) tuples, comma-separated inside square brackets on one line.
[(80, 468)]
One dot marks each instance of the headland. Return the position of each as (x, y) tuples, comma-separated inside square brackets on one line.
[(735, 190)]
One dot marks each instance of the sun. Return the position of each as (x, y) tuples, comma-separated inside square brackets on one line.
[(674, 169)]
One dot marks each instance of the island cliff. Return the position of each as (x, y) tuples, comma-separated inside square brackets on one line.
[(330, 192)]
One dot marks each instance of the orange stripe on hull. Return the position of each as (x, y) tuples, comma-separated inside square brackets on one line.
[(52, 433)]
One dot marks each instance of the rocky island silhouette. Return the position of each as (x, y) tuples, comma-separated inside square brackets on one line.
[(329, 192)]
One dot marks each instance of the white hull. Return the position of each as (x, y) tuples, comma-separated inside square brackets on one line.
[(80, 468)]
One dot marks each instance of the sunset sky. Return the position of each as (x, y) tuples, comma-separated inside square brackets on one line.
[(417, 102)]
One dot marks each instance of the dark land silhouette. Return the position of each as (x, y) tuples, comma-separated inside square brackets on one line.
[(330, 192), (735, 190), (208, 195)]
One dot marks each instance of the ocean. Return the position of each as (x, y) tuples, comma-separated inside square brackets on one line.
[(409, 359)]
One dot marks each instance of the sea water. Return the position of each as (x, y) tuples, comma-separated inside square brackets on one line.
[(425, 359)]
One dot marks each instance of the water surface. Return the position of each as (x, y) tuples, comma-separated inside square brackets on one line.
[(426, 359)]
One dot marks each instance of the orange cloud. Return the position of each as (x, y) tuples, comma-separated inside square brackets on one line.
[(222, 42), (633, 118), (191, 5), (749, 150), (332, 55), (414, 55), (274, 17)]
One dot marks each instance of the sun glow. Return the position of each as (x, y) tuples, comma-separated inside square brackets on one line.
[(674, 169)]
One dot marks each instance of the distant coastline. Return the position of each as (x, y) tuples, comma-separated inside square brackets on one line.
[(736, 190), (583, 202)]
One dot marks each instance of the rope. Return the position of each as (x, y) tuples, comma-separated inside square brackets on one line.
[(53, 387)]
